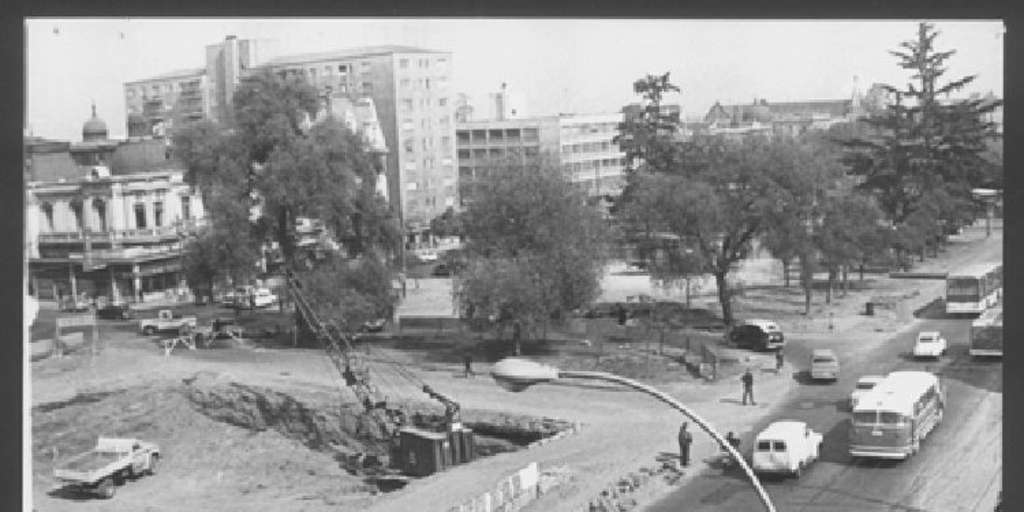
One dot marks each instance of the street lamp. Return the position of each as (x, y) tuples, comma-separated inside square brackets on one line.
[(516, 375)]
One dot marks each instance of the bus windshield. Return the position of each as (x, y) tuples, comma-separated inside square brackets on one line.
[(890, 418), (865, 417), (963, 288)]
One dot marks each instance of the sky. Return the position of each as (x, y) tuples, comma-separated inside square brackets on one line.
[(557, 65)]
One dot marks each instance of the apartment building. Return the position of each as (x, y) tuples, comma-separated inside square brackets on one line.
[(582, 144), (408, 87), (106, 218)]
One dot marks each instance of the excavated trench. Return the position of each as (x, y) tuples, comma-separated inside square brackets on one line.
[(347, 431)]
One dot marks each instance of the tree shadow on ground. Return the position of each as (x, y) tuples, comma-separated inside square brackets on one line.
[(935, 310), (835, 445), (803, 377)]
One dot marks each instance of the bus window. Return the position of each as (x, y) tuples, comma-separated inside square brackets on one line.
[(962, 289), (865, 417), (779, 446), (764, 446), (890, 418)]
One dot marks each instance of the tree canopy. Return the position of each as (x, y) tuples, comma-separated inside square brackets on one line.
[(536, 250)]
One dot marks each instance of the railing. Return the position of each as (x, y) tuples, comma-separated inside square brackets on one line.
[(121, 234)]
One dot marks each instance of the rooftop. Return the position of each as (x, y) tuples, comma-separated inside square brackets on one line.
[(180, 73), (363, 51)]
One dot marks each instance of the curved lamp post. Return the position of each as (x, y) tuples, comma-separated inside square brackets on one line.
[(516, 375)]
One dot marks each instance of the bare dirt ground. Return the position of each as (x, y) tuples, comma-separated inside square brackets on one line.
[(131, 389)]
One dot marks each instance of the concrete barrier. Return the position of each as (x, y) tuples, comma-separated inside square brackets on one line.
[(510, 494)]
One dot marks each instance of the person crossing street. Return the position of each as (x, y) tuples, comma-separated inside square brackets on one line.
[(748, 387)]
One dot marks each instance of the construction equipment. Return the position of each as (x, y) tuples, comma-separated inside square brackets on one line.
[(339, 349)]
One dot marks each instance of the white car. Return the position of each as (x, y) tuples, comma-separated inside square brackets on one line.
[(929, 344), (785, 447), (864, 384)]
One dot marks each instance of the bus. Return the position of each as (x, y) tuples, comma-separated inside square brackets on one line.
[(892, 419), (987, 334), (974, 288)]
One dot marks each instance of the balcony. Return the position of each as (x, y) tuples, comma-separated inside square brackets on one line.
[(121, 235)]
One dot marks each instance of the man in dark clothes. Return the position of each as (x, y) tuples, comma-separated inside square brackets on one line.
[(467, 360), (779, 361), (621, 311), (748, 387), (685, 439)]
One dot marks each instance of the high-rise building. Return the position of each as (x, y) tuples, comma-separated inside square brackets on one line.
[(409, 88)]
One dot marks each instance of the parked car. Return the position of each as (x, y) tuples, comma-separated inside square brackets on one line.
[(824, 364), (786, 446), (758, 334), (442, 270), (75, 304), (116, 311), (166, 321), (864, 384), (111, 462), (930, 344), (248, 296), (374, 325)]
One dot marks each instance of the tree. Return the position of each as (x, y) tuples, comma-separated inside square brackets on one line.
[(449, 223), (645, 138), (273, 165), (536, 250), (920, 143)]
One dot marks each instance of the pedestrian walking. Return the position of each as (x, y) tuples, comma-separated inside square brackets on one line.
[(779, 360), (621, 312), (467, 361), (748, 387), (685, 440)]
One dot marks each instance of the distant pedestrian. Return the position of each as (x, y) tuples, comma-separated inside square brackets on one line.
[(621, 311), (748, 387), (685, 440), (779, 361), (467, 361)]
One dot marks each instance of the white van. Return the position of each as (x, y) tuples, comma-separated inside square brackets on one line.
[(786, 446)]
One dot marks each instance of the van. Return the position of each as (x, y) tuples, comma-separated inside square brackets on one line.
[(824, 365), (786, 447), (758, 334)]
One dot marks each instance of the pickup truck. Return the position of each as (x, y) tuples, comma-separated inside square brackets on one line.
[(165, 321), (107, 465)]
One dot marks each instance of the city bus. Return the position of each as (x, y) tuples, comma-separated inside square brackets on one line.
[(987, 334), (974, 288), (892, 419)]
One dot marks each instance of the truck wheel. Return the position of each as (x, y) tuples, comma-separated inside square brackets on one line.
[(106, 489), (149, 330), (154, 460)]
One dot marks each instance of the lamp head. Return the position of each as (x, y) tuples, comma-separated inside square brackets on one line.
[(516, 374)]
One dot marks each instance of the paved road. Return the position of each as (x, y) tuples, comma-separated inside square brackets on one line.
[(959, 466)]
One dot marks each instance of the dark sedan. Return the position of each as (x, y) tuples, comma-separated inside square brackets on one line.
[(116, 312)]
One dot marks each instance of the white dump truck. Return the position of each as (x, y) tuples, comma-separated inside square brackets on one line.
[(109, 464), (166, 321)]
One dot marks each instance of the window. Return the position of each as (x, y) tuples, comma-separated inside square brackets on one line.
[(312, 72), (186, 207), (890, 418), (427, 83), (158, 214), (403, 63), (404, 83), (443, 102), (343, 69), (140, 216), (764, 446), (365, 65), (464, 154), (367, 87), (778, 446), (865, 417), (446, 143), (529, 134), (407, 104), (408, 146)]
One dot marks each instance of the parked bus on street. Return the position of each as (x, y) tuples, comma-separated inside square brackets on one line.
[(892, 419), (987, 334), (974, 288)]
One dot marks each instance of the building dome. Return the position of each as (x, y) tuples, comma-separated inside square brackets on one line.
[(95, 128), (137, 125)]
